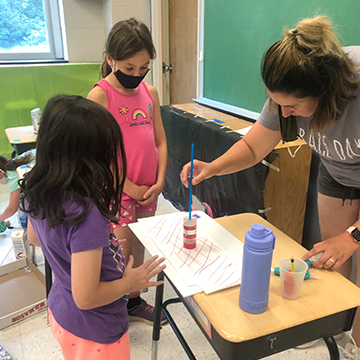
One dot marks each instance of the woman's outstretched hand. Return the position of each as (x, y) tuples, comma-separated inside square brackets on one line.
[(201, 171), (335, 251)]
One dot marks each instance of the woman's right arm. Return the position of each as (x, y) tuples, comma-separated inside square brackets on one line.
[(248, 151)]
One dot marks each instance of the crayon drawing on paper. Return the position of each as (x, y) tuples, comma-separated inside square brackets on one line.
[(209, 265)]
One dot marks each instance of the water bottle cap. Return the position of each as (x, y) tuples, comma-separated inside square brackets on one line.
[(258, 229), (259, 237)]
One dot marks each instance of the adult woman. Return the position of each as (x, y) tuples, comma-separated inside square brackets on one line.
[(314, 94)]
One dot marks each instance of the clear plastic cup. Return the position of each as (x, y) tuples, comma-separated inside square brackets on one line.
[(190, 227), (291, 282)]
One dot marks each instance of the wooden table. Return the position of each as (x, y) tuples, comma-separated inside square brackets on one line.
[(22, 138), (285, 191), (325, 308)]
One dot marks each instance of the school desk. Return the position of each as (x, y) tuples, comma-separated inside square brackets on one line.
[(326, 307), (22, 138), (282, 194)]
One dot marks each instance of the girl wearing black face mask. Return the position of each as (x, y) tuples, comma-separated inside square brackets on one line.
[(135, 105)]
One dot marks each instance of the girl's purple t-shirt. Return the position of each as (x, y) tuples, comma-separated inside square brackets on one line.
[(105, 324)]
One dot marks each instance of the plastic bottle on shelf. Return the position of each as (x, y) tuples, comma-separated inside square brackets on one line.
[(256, 269), (23, 218)]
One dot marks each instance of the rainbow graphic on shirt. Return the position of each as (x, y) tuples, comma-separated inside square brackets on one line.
[(138, 112)]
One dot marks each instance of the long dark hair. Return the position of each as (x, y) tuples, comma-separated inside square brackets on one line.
[(309, 62), (12, 164), (126, 38), (80, 157)]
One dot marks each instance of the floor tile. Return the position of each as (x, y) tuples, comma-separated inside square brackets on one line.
[(40, 344), (35, 323), (166, 350), (10, 340), (198, 343)]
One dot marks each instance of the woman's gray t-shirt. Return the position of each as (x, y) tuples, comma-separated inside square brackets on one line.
[(339, 144)]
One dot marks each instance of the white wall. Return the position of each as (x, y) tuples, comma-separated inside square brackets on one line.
[(87, 23)]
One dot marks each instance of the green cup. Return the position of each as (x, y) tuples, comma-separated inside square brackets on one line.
[(2, 226)]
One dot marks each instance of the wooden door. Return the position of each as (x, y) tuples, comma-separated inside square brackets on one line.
[(180, 44)]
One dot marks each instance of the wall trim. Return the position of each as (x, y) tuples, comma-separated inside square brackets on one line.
[(156, 26)]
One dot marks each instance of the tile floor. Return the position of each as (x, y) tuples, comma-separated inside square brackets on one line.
[(32, 339)]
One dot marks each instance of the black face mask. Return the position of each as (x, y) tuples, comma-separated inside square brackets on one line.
[(128, 81)]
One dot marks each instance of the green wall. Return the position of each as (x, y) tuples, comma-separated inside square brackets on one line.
[(24, 88), (238, 32)]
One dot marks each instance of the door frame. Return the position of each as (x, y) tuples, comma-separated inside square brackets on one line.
[(156, 8), (156, 33), (200, 50)]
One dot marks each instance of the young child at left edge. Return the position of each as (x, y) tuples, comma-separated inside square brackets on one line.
[(135, 105), (72, 195)]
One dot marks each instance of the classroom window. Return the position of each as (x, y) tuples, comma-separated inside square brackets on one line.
[(30, 31)]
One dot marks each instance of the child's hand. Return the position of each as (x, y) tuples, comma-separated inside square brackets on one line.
[(142, 189), (151, 194), (139, 278)]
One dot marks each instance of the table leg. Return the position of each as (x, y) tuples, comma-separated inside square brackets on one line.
[(157, 322), (176, 330), (332, 346)]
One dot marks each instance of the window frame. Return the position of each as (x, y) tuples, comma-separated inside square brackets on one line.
[(56, 42)]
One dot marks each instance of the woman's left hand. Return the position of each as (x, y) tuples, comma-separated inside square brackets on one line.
[(336, 251), (151, 194)]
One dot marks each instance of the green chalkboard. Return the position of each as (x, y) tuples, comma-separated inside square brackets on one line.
[(238, 32)]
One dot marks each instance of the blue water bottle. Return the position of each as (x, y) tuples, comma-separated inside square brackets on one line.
[(256, 269)]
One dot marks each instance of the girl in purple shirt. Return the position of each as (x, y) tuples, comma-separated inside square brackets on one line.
[(71, 195)]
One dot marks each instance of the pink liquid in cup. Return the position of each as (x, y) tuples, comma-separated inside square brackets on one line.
[(291, 282)]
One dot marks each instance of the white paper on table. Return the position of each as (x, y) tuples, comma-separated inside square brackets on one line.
[(214, 264), (244, 131), (181, 286)]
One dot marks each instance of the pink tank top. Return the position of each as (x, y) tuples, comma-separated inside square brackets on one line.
[(135, 115)]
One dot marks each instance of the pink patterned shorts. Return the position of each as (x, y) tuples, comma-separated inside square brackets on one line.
[(129, 208)]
